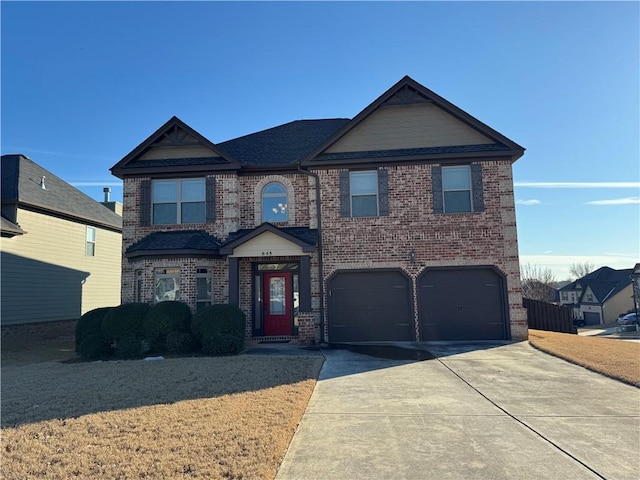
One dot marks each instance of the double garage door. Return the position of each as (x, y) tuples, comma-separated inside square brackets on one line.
[(453, 304)]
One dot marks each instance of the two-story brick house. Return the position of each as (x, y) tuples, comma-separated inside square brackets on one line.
[(398, 224)]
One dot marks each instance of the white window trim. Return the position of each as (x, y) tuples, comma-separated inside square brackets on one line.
[(178, 201), (90, 242)]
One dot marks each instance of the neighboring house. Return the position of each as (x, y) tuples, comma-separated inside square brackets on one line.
[(61, 250), (599, 297), (398, 224)]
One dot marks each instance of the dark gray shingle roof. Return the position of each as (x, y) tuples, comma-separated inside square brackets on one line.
[(283, 145), (21, 183), (179, 241)]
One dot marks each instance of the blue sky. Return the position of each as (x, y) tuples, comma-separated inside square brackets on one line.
[(83, 83)]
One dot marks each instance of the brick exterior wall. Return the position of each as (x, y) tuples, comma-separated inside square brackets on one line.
[(484, 238)]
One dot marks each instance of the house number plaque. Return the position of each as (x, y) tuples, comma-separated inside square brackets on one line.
[(267, 254)]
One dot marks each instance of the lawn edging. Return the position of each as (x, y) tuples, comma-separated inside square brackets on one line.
[(617, 359)]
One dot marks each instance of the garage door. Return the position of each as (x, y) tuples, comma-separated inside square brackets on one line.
[(591, 318), (462, 304), (373, 305)]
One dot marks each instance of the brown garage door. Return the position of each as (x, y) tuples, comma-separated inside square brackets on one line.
[(372, 305), (462, 304)]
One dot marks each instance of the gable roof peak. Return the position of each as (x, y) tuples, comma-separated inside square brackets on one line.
[(173, 133), (408, 91)]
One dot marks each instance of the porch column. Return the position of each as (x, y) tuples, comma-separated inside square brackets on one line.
[(304, 283), (234, 281)]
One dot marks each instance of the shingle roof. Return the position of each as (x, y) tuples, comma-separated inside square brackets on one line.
[(282, 145), (179, 241), (8, 228), (604, 282), (307, 235), (21, 183)]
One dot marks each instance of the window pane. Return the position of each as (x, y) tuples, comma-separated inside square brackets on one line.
[(203, 287), (456, 178), (192, 213), (91, 249), (91, 234), (364, 206), (274, 188), (457, 202), (192, 190), (274, 209), (364, 182), (167, 288), (164, 191), (165, 213), (277, 300)]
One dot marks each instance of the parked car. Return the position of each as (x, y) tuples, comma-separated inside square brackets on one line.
[(628, 319), (579, 322)]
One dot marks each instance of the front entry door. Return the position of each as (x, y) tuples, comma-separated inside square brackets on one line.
[(277, 303)]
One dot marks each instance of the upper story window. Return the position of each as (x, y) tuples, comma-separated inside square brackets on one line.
[(364, 193), (565, 296), (90, 245), (178, 201), (274, 203), (457, 189)]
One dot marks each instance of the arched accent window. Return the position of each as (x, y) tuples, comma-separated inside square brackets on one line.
[(274, 203)]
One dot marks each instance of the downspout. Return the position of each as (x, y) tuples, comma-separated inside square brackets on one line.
[(320, 265)]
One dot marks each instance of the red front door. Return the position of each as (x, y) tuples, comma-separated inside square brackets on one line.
[(277, 303)]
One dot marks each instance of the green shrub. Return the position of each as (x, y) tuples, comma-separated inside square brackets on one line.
[(221, 319), (222, 344), (124, 321), (93, 347), (164, 318), (128, 347), (180, 343), (90, 324)]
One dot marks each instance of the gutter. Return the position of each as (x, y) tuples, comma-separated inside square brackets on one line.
[(320, 264)]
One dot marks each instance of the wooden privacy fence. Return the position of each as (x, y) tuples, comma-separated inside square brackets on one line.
[(546, 316)]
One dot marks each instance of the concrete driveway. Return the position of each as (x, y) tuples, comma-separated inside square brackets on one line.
[(474, 412)]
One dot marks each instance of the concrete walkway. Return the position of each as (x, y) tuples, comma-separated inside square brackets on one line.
[(474, 412)]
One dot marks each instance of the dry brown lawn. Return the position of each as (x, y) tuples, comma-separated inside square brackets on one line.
[(612, 357), (226, 418)]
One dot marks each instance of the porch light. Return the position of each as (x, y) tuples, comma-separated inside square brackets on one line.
[(412, 257)]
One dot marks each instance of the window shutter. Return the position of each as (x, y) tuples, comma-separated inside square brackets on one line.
[(345, 195), (211, 199), (436, 189), (476, 188), (145, 202), (383, 192)]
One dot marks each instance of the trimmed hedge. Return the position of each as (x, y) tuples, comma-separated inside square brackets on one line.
[(220, 319), (180, 343), (219, 329), (222, 344), (164, 318), (128, 347), (93, 347), (124, 321), (90, 324)]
